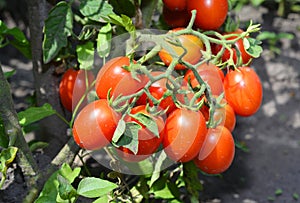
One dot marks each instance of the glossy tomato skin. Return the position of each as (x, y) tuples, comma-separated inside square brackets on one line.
[(221, 156), (210, 74), (175, 5), (112, 76), (185, 133), (243, 91), (192, 44), (148, 141), (238, 47), (95, 125), (175, 18), (72, 88), (211, 14), (157, 90)]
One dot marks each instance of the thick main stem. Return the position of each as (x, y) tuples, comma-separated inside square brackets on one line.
[(13, 129)]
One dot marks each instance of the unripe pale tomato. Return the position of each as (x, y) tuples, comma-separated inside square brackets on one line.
[(191, 43)]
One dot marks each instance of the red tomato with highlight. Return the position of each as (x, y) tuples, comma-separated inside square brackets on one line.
[(72, 87), (185, 132), (191, 43), (221, 156), (175, 5), (175, 18), (211, 74), (148, 142), (211, 14), (95, 125), (243, 91), (112, 76)]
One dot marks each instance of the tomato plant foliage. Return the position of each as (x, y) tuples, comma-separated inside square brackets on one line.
[(160, 103)]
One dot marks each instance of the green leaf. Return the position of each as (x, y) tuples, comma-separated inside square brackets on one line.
[(65, 189), (130, 137), (157, 168), (278, 192), (9, 74), (95, 187), (147, 121), (58, 27), (125, 7), (96, 10), (85, 55), (67, 172), (34, 114), (104, 40), (295, 196), (103, 199), (119, 130), (19, 40), (7, 156), (50, 192), (161, 190), (252, 46), (123, 21)]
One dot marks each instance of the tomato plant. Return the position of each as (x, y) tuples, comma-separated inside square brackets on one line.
[(210, 74), (114, 77), (185, 132), (243, 91), (148, 142), (73, 87), (222, 150), (95, 125), (238, 49), (175, 5), (191, 43), (211, 14)]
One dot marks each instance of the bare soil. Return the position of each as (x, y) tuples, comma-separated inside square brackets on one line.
[(270, 170)]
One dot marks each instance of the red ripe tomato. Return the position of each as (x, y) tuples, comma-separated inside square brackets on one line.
[(175, 5), (175, 18), (73, 86), (243, 91), (211, 14), (112, 76), (95, 125), (185, 133), (221, 156), (191, 43), (148, 141), (157, 90), (230, 119), (237, 47), (210, 74)]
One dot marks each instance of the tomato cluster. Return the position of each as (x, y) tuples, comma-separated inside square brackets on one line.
[(190, 115)]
